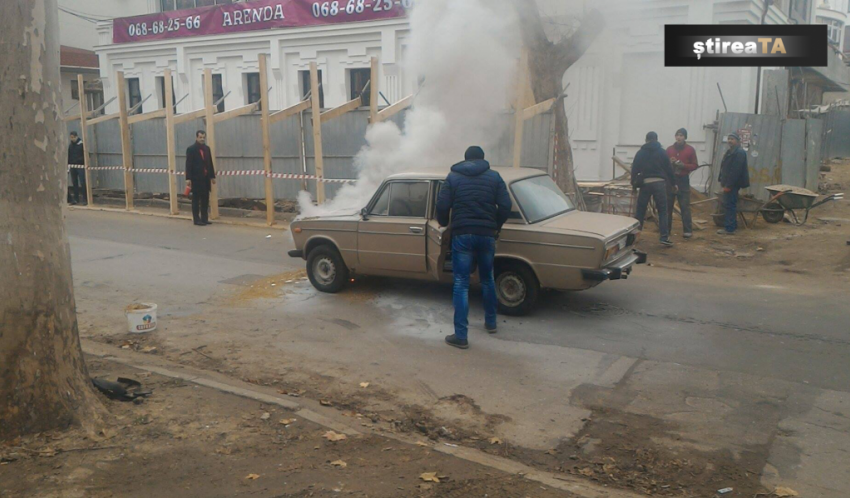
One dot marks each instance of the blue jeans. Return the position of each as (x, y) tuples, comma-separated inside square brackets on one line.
[(465, 250), (657, 191), (730, 209)]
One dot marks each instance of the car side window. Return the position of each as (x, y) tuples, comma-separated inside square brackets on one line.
[(408, 199), (382, 205)]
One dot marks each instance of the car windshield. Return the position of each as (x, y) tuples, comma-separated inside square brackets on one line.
[(540, 198)]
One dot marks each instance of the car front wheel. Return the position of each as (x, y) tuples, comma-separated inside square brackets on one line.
[(517, 289), (326, 269)]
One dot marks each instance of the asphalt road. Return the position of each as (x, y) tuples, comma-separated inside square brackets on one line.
[(749, 365)]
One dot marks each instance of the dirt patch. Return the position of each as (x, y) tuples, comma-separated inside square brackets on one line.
[(267, 288), (187, 440), (818, 248)]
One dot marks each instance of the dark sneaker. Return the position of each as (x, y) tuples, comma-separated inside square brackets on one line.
[(452, 340), (491, 329), (724, 232), (687, 235), (206, 223), (198, 223), (666, 242)]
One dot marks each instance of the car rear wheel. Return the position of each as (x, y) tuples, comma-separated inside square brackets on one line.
[(517, 289), (326, 269)]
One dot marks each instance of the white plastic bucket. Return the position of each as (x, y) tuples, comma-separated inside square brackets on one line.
[(142, 320)]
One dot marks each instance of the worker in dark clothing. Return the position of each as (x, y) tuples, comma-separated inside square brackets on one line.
[(684, 159), (77, 162), (474, 200), (652, 175), (200, 177), (734, 175)]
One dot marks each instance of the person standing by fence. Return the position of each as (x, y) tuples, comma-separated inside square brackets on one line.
[(684, 159), (200, 177), (652, 176), (734, 175), (77, 163)]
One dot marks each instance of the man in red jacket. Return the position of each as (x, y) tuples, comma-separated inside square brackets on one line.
[(684, 159)]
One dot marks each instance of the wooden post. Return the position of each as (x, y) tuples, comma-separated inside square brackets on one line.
[(374, 87), (170, 144), (267, 153), (83, 135), (317, 133), (519, 107), (126, 144), (210, 118)]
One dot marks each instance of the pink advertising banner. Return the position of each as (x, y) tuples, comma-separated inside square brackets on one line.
[(252, 16)]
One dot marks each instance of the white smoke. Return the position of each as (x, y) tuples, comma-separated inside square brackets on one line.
[(465, 52)]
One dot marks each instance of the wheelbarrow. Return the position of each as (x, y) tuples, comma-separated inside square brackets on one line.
[(788, 199), (783, 199), (746, 205)]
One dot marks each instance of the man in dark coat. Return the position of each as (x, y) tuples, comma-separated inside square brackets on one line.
[(734, 175), (475, 200), (200, 177), (77, 157), (684, 159), (652, 175)]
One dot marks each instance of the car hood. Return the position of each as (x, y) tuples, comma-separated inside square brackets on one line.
[(606, 226)]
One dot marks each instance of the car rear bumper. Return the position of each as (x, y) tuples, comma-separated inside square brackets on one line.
[(296, 254), (620, 270)]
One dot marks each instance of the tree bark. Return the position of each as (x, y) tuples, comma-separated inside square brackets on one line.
[(44, 383), (548, 61)]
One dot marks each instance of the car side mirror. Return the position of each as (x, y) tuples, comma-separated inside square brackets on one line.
[(364, 214)]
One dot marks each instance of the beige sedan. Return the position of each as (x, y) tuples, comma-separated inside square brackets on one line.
[(546, 244)]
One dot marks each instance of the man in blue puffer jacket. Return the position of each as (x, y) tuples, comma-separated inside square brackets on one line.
[(476, 201)]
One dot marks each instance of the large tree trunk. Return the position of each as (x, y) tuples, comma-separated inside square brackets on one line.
[(43, 380), (548, 61)]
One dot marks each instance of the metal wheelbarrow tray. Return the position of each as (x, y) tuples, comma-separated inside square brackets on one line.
[(788, 199)]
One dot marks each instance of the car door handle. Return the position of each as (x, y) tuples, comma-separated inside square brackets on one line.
[(416, 230)]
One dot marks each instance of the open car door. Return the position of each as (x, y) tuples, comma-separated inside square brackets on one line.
[(439, 241)]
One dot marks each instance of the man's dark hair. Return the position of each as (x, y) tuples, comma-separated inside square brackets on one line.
[(682, 132), (199, 133), (74, 134), (652, 137), (473, 153)]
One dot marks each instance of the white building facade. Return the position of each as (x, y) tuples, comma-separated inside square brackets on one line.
[(342, 51)]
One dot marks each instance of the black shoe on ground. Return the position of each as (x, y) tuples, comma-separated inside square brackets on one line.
[(666, 242), (206, 223), (491, 330), (200, 224), (688, 235), (453, 341)]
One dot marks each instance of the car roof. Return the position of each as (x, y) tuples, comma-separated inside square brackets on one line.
[(508, 174)]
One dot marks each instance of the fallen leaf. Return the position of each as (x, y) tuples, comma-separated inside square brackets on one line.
[(265, 416), (420, 443), (587, 472), (252, 477), (148, 349), (340, 464), (495, 440), (430, 477), (334, 437), (782, 491), (325, 402), (364, 384), (287, 421), (550, 452)]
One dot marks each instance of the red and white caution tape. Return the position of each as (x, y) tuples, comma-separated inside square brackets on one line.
[(278, 176)]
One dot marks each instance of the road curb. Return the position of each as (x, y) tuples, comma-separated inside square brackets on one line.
[(219, 382)]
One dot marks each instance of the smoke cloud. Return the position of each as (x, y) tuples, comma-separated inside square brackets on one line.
[(465, 52)]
